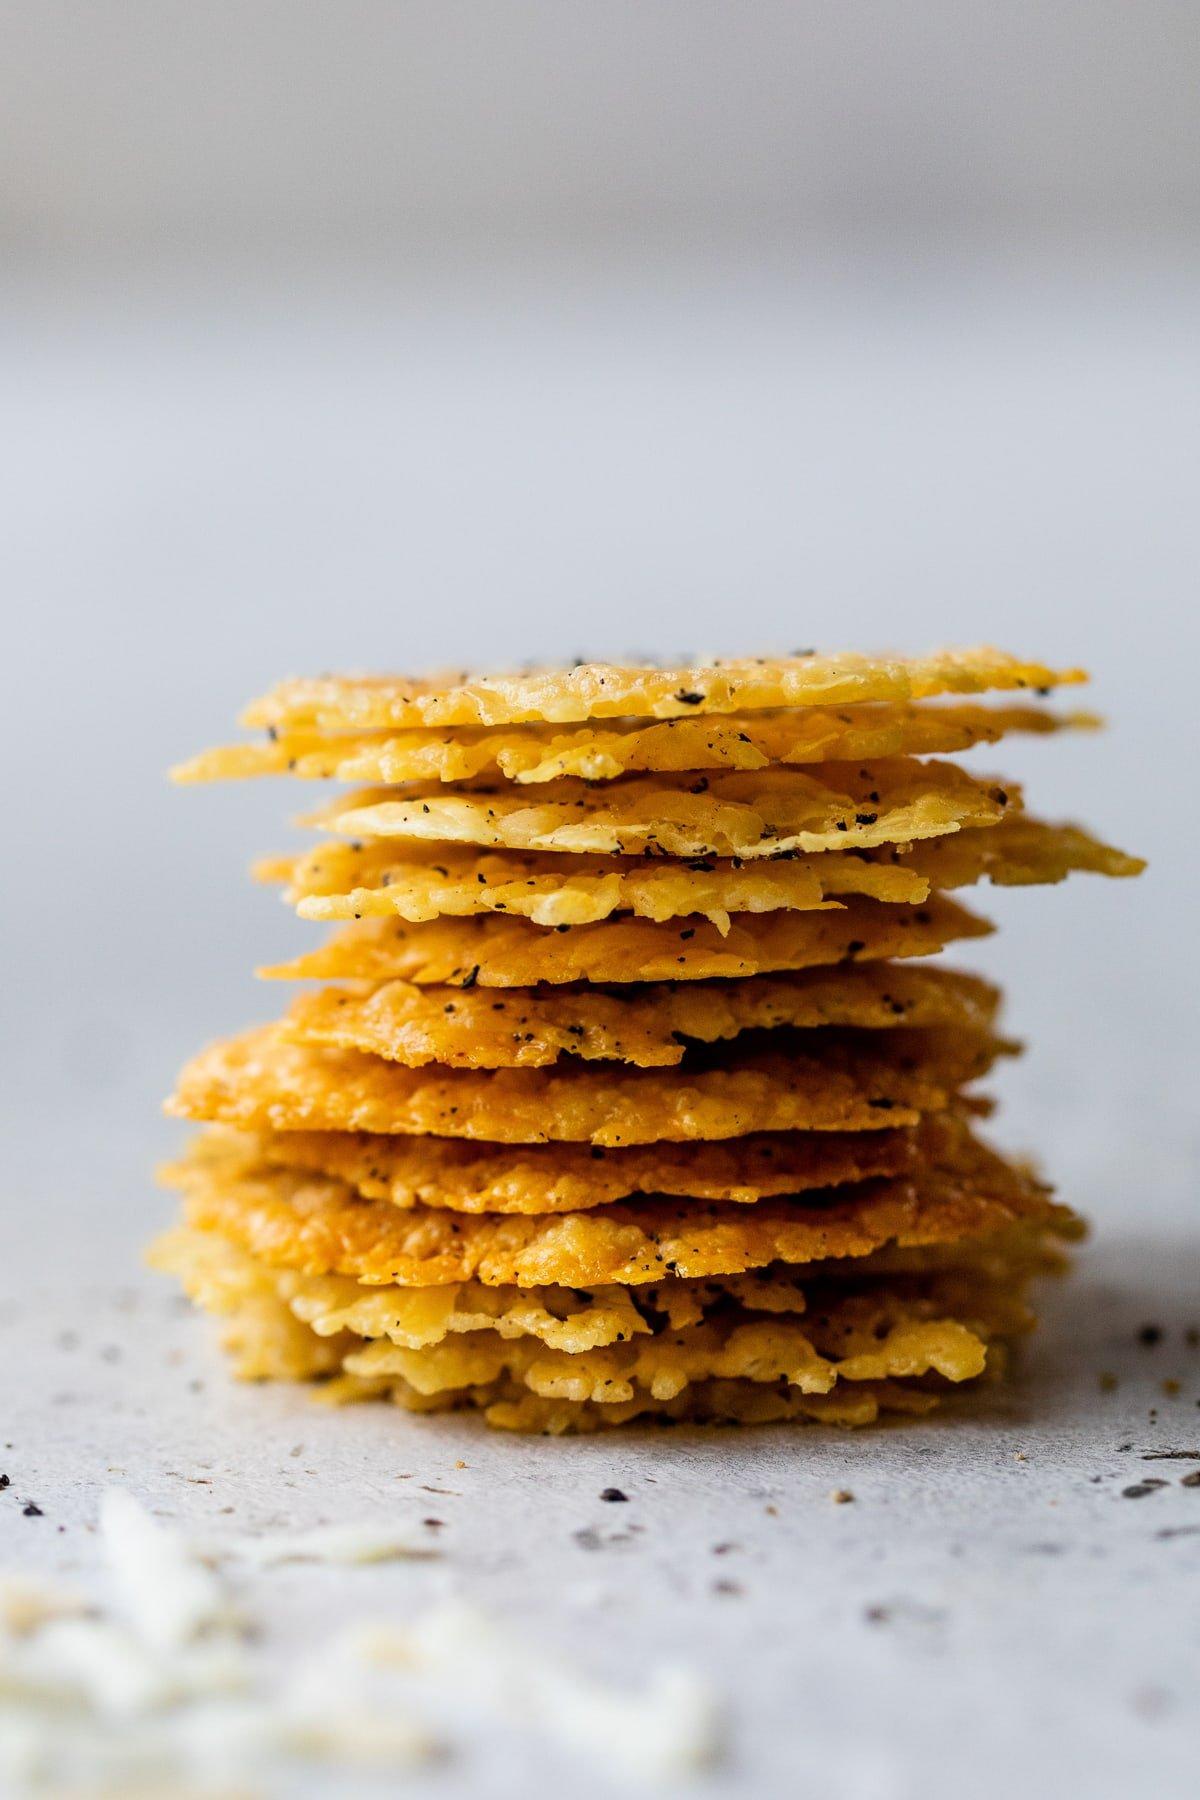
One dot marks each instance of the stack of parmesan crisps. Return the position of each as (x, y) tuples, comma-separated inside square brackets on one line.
[(626, 1087)]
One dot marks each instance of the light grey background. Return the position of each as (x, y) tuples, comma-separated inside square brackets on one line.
[(382, 335), (348, 122)]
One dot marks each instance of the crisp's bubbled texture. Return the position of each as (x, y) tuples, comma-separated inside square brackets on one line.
[(637, 1096)]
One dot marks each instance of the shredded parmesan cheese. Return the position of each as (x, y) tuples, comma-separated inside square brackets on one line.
[(331, 1544), (166, 1689), (669, 1726), (170, 1597)]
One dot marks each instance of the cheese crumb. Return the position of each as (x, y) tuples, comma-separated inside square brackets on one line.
[(347, 1543)]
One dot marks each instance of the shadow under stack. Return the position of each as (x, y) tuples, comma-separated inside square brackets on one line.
[(635, 1093)]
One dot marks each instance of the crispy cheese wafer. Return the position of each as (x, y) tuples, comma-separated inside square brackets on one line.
[(500, 952), (613, 691)]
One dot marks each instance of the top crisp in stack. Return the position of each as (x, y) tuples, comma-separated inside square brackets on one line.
[(633, 1097)]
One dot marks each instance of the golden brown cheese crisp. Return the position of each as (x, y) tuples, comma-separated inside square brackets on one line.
[(261, 1082), (322, 1227), (770, 813), (501, 952), (362, 880), (417, 882), (538, 753), (611, 691), (556, 1178), (650, 1026)]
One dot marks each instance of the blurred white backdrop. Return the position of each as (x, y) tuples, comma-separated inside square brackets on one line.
[(382, 334)]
